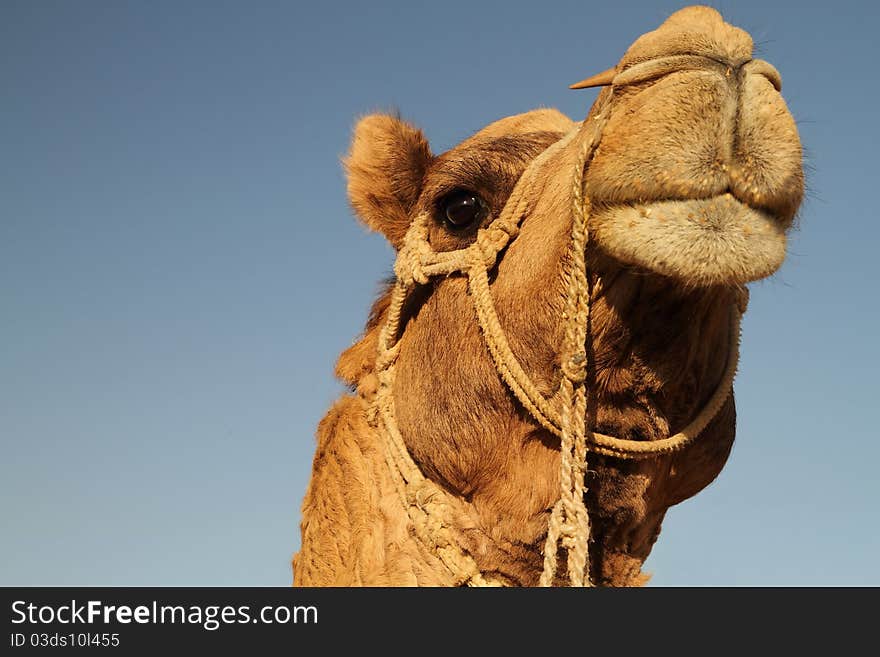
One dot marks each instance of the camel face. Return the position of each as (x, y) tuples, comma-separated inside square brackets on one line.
[(699, 171), (694, 179)]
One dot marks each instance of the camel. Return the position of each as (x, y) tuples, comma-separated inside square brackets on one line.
[(551, 368)]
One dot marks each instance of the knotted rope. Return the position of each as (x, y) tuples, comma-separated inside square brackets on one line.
[(428, 506)]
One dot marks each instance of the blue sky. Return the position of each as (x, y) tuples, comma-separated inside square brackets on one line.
[(179, 270)]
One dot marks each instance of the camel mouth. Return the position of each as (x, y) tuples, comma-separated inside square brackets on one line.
[(703, 242)]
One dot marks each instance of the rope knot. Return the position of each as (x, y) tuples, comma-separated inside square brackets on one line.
[(419, 495), (509, 228), (568, 538), (409, 267), (574, 368), (386, 358), (486, 249)]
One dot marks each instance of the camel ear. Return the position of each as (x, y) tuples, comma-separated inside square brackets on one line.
[(386, 167)]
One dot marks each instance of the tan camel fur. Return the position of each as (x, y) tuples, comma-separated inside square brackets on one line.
[(695, 181)]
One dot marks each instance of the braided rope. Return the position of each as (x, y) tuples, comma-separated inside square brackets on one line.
[(432, 515), (427, 505)]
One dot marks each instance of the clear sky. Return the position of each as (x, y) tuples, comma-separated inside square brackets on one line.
[(179, 270)]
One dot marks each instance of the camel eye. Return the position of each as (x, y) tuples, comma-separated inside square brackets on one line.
[(462, 208)]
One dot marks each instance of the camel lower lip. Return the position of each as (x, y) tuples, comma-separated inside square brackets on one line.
[(710, 241)]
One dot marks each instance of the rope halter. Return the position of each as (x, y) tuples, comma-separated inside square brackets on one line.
[(564, 414)]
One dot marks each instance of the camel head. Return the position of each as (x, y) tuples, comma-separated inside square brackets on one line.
[(694, 178)]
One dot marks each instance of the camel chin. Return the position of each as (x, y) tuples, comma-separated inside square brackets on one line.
[(700, 242)]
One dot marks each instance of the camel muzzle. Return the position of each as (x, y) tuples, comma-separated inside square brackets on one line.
[(699, 172)]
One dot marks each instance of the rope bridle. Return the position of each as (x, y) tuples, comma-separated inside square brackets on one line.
[(564, 414)]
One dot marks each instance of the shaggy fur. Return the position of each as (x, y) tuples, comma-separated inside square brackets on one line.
[(669, 254)]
